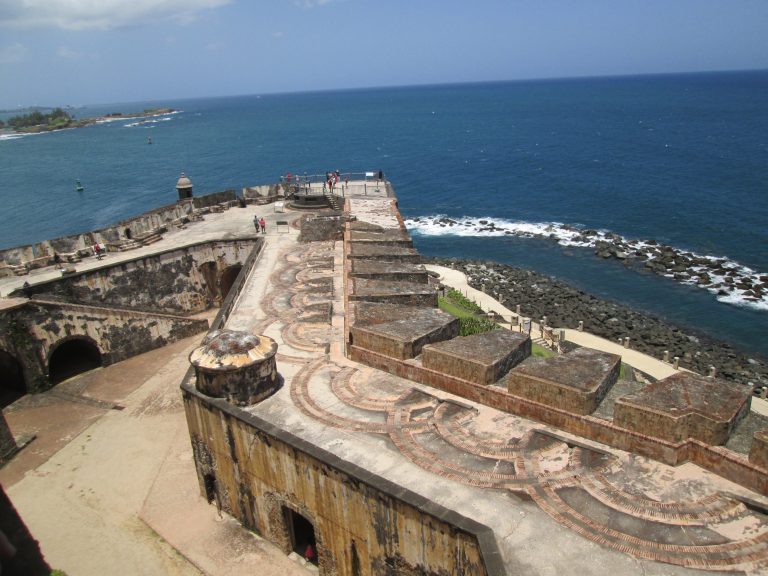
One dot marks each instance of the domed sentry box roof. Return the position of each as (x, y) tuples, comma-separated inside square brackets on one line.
[(184, 187), (237, 366)]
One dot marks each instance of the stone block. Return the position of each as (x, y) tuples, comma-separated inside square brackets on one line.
[(390, 271), (480, 358), (398, 331), (391, 292), (576, 382), (684, 406), (758, 452), (387, 237), (368, 251)]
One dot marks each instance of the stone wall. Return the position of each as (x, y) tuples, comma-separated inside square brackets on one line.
[(31, 332), (719, 460), (183, 280), (255, 472), (41, 253)]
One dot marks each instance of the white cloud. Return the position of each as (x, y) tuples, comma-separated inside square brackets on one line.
[(67, 53), (311, 3), (98, 14), (12, 53)]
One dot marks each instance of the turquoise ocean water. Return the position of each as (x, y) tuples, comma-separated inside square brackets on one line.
[(680, 159)]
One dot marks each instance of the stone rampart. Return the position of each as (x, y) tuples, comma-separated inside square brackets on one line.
[(183, 280), (263, 475)]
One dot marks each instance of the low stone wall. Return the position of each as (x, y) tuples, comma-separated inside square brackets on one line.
[(31, 333), (28, 559), (257, 472), (721, 461), (182, 280), (41, 253)]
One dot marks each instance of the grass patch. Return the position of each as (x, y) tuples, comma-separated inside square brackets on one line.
[(541, 352)]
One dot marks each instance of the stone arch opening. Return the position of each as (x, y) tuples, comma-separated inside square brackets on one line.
[(128, 233), (228, 277), (302, 535), (72, 357), (12, 384)]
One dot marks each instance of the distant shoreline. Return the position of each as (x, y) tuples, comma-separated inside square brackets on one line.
[(39, 129)]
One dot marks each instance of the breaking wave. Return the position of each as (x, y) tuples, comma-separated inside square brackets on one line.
[(730, 282)]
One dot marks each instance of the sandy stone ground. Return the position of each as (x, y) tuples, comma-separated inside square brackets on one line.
[(113, 490)]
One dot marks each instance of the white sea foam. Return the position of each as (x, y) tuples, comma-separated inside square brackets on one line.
[(727, 279), (12, 136)]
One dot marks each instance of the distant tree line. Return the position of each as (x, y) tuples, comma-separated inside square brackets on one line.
[(57, 117)]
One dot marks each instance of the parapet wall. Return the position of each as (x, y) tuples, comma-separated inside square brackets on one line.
[(257, 472), (178, 281), (43, 252)]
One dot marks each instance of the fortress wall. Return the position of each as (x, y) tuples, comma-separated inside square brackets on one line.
[(719, 460), (119, 334), (30, 334), (255, 471), (178, 281), (41, 253)]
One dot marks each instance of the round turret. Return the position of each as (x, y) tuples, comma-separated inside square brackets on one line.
[(237, 366), (184, 187)]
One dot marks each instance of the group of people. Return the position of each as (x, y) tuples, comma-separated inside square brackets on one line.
[(260, 224), (331, 179)]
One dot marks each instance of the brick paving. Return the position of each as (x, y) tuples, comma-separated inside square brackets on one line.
[(580, 486)]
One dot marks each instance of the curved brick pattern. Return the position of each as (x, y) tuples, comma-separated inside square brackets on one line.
[(714, 507), (305, 402), (309, 336), (705, 549), (579, 487)]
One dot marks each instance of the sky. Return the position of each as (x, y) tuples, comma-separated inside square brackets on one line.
[(78, 52)]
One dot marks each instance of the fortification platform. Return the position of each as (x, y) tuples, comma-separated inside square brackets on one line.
[(685, 406)]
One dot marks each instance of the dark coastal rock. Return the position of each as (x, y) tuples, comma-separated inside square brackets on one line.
[(539, 295)]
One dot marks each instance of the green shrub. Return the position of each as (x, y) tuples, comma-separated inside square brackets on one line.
[(459, 299), (469, 326)]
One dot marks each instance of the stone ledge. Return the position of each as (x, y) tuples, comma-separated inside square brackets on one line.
[(685, 406), (576, 381), (480, 358)]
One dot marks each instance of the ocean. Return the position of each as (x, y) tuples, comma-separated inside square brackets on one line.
[(680, 160)]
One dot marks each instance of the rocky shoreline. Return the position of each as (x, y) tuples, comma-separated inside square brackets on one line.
[(540, 295), (727, 279)]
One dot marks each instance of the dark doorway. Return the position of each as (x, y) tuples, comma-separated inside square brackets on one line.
[(228, 277), (12, 385), (302, 534), (73, 357), (128, 233)]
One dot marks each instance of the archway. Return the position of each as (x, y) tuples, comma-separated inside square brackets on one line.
[(302, 535), (12, 385), (228, 277), (128, 233), (72, 357)]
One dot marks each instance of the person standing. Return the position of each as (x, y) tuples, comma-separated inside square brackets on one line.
[(263, 225), (256, 223)]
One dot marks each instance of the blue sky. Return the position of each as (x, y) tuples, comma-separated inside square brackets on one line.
[(58, 52)]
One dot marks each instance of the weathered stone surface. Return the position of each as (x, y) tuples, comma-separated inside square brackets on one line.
[(237, 366), (284, 474), (758, 453), (388, 236), (480, 358), (390, 271), (685, 406), (365, 250), (576, 381), (398, 331), (187, 280), (403, 293)]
